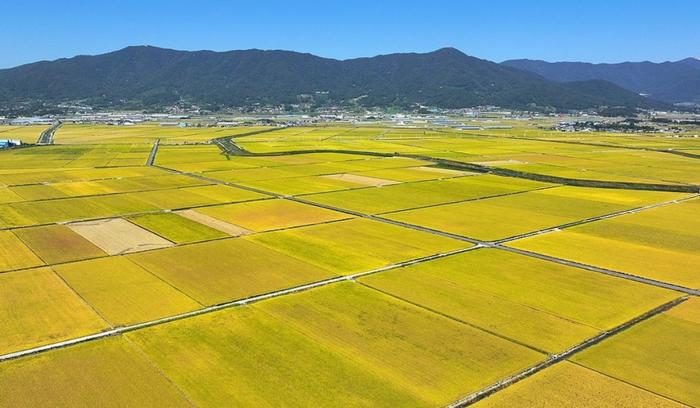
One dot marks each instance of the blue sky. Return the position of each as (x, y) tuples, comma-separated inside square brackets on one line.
[(592, 30)]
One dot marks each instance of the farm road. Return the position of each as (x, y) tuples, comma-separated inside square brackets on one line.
[(46, 137), (489, 244)]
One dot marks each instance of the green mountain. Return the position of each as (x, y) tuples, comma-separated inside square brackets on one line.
[(672, 82), (151, 76)]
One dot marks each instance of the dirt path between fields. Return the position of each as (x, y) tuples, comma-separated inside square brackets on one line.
[(226, 305), (556, 358), (492, 244)]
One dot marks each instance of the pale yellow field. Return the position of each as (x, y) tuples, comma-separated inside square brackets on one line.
[(409, 174), (362, 180), (117, 236)]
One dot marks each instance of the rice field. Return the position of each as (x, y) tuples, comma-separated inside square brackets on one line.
[(176, 228), (270, 215), (144, 133), (225, 270), (571, 385), (544, 305), (428, 363), (122, 292), (270, 363), (317, 347), (37, 307), (27, 134), (424, 194), (503, 217), (111, 373), (300, 276), (58, 244), (15, 255), (661, 243), (356, 245), (658, 354), (302, 185)]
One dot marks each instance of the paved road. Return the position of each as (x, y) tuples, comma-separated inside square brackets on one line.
[(152, 155), (478, 244), (46, 137), (226, 305), (485, 244)]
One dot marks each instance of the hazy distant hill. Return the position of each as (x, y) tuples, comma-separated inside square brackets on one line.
[(671, 82), (153, 76)]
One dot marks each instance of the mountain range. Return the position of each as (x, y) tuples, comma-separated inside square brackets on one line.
[(147, 76), (671, 82)]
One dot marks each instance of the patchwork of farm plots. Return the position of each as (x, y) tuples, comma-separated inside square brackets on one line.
[(342, 278), (620, 162)]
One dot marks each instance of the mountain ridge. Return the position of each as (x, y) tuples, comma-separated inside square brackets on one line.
[(669, 81), (446, 77)]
